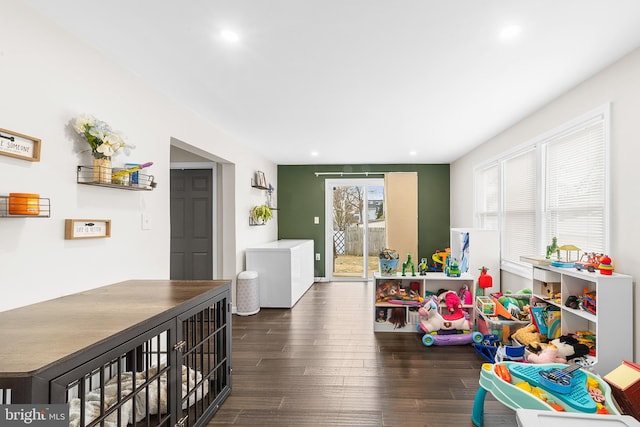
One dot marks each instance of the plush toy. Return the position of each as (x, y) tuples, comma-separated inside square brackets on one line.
[(569, 347), (465, 295), (549, 355), (529, 336), (453, 303)]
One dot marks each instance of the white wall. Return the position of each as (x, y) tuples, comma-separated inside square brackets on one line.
[(618, 84), (47, 78)]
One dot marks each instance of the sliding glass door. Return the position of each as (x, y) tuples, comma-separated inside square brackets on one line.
[(355, 229)]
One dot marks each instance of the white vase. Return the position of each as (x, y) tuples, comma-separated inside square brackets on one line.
[(102, 170)]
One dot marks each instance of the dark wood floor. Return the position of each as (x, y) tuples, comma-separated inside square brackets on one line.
[(321, 364)]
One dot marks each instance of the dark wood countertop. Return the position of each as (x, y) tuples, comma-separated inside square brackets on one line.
[(39, 335)]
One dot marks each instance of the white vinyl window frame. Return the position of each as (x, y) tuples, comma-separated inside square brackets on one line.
[(568, 178)]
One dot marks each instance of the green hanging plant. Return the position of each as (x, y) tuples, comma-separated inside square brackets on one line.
[(261, 213)]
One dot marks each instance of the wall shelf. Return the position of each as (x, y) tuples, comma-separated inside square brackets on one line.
[(89, 175), (43, 208)]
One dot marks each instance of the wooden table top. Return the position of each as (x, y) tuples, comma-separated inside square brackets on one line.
[(38, 335)]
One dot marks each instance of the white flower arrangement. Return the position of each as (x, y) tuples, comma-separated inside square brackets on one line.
[(104, 142)]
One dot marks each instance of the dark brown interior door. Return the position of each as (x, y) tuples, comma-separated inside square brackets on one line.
[(191, 224)]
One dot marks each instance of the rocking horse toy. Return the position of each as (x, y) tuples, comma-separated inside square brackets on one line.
[(448, 329)]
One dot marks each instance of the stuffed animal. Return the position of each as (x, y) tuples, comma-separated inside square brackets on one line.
[(529, 336), (569, 347), (549, 355), (453, 303), (465, 295)]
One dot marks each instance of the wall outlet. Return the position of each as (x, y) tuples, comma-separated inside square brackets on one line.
[(317, 257), (316, 220)]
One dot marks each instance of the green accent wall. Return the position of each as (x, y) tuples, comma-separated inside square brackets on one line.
[(301, 198)]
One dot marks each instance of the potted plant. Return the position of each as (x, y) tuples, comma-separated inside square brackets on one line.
[(261, 214), (103, 142)]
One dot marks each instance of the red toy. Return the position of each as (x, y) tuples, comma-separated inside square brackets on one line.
[(605, 266), (454, 305), (484, 281)]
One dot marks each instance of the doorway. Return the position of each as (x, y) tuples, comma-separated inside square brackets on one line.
[(354, 211), (192, 224)]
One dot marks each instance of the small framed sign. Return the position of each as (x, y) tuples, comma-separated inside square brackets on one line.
[(14, 144), (86, 228)]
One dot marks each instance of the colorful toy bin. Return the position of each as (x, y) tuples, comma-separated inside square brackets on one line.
[(388, 261), (485, 305), (503, 329), (388, 267)]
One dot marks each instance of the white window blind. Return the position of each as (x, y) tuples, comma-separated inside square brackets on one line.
[(487, 202), (554, 186), (576, 187), (519, 206)]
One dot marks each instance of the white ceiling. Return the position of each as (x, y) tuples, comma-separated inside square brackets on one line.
[(358, 81)]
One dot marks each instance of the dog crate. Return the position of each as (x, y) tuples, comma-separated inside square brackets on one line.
[(173, 368)]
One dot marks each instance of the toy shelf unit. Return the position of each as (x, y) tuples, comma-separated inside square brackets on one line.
[(396, 302), (436, 281), (605, 310), (22, 205), (115, 178), (397, 298), (475, 248)]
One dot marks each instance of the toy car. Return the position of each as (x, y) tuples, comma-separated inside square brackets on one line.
[(589, 262)]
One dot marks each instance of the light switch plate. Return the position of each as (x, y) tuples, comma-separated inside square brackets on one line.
[(146, 221)]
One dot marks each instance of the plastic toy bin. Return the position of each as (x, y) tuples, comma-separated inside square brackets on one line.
[(501, 328), (486, 306), (388, 267)]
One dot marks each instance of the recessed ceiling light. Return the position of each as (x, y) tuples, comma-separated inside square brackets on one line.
[(412, 153), (229, 36), (510, 32), (314, 153)]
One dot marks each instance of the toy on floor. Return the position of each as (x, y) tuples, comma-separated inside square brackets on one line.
[(488, 347), (493, 351), (513, 353), (525, 391), (445, 329), (433, 321)]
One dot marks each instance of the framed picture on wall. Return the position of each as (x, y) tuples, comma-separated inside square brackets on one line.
[(14, 144), (86, 228)]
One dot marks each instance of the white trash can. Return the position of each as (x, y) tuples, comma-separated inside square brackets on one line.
[(247, 293)]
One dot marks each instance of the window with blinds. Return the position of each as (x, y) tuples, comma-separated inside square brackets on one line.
[(553, 186), (575, 187)]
